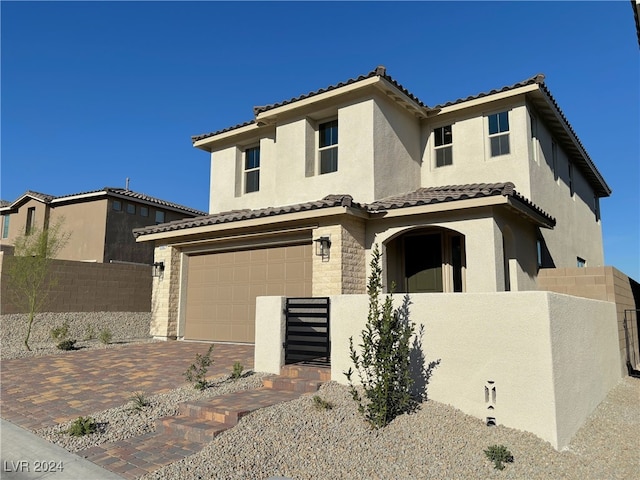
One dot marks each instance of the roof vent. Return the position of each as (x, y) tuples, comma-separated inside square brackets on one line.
[(381, 70)]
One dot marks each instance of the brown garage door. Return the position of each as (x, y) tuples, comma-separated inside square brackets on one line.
[(222, 289)]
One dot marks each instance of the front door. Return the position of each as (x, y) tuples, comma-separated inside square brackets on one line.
[(423, 263)]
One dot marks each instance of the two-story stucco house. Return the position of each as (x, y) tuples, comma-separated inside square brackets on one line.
[(99, 222), (474, 195)]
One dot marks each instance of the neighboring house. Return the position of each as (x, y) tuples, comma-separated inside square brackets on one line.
[(100, 222), (474, 195)]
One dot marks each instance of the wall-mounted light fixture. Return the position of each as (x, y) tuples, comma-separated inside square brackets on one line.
[(323, 244), (158, 269)]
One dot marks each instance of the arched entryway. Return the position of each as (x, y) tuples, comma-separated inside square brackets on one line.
[(426, 260)]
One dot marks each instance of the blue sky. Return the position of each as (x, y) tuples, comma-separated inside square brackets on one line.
[(95, 92)]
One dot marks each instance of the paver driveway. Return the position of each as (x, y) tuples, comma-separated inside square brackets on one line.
[(37, 392)]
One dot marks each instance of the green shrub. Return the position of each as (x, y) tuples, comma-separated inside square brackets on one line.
[(60, 333), (321, 404), (67, 345), (197, 371), (383, 365), (139, 401), (105, 336), (90, 333), (237, 370), (82, 426), (498, 454)]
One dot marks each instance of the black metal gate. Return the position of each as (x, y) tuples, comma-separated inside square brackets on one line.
[(307, 331)]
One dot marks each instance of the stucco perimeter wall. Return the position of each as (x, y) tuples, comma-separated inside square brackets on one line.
[(599, 283), (552, 358), (88, 287)]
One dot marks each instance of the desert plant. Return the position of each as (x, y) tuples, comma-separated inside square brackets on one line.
[(105, 336), (82, 426), (60, 333), (29, 277), (67, 345), (139, 401), (237, 370), (499, 454), (384, 362), (90, 333), (321, 404), (197, 371)]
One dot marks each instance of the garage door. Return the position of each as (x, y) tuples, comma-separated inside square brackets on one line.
[(222, 289)]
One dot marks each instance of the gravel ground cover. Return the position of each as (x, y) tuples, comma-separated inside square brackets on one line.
[(300, 441), (126, 422), (85, 327)]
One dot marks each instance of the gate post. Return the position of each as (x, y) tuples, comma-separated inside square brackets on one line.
[(270, 334)]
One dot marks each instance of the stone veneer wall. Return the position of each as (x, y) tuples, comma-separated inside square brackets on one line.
[(166, 294), (599, 283), (354, 276), (88, 287)]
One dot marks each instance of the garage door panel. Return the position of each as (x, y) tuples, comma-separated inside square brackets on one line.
[(222, 288)]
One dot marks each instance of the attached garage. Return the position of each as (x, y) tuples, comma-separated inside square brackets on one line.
[(221, 288)]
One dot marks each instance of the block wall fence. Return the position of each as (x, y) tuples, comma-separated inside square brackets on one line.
[(602, 283), (88, 287)]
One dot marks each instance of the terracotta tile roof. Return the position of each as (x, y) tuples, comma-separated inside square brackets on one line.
[(246, 214), (539, 79), (422, 196), (106, 191), (449, 193), (380, 71)]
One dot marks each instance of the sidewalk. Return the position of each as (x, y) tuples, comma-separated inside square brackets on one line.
[(26, 456)]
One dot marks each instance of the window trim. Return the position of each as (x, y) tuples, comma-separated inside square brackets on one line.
[(246, 171), (31, 213), (499, 134), (444, 146), (329, 147)]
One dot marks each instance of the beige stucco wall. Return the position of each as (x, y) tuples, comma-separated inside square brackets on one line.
[(552, 357), (86, 225), (18, 220), (599, 283), (577, 232), (472, 161)]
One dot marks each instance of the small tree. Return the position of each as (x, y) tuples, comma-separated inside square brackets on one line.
[(384, 362), (29, 273)]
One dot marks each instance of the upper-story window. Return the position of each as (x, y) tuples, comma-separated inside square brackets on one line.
[(534, 137), (581, 262), (31, 213), (5, 225), (159, 217), (443, 146), (554, 160), (144, 211), (571, 187), (328, 146), (131, 208), (252, 170), (499, 133), (117, 205)]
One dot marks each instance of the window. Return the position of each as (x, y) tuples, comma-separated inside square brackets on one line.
[(144, 211), (117, 205), (539, 252), (131, 208), (252, 170), (5, 225), (581, 262), (596, 207), (443, 146), (328, 146), (159, 217), (30, 220), (499, 133)]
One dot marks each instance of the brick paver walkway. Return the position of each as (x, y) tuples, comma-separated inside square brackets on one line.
[(41, 391)]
